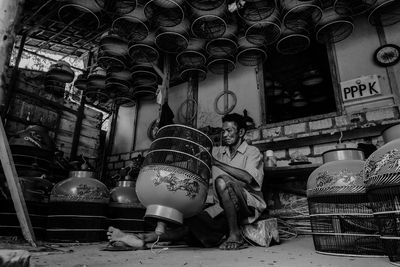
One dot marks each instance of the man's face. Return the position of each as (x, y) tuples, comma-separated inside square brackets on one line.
[(231, 134)]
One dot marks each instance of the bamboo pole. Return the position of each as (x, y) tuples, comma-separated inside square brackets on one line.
[(9, 10)]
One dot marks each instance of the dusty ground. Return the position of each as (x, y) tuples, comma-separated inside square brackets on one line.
[(296, 252)]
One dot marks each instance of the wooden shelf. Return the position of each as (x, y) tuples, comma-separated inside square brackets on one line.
[(278, 175)]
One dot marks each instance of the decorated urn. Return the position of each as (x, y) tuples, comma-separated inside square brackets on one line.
[(382, 179), (341, 173), (340, 213), (81, 186), (173, 181)]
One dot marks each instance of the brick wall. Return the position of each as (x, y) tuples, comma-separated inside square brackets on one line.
[(266, 134), (332, 125)]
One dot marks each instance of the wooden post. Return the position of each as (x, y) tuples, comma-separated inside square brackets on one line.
[(15, 188), (14, 78), (137, 107), (109, 141), (77, 129), (9, 10)]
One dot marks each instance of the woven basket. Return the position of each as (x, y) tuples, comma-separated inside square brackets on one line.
[(209, 24), (143, 51), (199, 73), (293, 41), (143, 74), (226, 45), (333, 28), (301, 14), (250, 54), (193, 55), (265, 32), (85, 14), (112, 44), (257, 10), (169, 14), (354, 7), (385, 13), (205, 4), (219, 65), (173, 39), (133, 26)]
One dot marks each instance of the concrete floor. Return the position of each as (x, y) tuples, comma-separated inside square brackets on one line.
[(297, 252)]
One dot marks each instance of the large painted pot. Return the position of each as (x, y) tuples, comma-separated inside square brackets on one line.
[(173, 181), (340, 214), (382, 178), (78, 209)]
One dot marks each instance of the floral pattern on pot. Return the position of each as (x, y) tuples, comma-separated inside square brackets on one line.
[(342, 178), (388, 162), (173, 183)]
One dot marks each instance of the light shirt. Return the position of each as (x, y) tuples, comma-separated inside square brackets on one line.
[(249, 159)]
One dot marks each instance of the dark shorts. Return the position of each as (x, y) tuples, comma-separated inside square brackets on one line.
[(206, 231)]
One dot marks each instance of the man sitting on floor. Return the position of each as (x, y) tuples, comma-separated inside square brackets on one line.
[(237, 180)]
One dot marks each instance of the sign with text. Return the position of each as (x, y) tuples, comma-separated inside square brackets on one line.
[(361, 87)]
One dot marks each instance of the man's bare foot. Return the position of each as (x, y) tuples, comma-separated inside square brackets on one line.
[(131, 240), (233, 243)]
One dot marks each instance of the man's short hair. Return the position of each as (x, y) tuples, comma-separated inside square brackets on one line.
[(236, 118)]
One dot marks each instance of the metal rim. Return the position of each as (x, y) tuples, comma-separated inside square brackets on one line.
[(179, 152), (232, 44), (139, 47), (376, 13), (204, 17), (178, 58), (296, 14), (200, 70), (183, 139), (291, 36), (213, 61), (146, 73), (251, 5), (261, 24), (320, 31), (186, 40), (138, 21), (184, 126), (221, 94), (246, 50), (87, 11), (150, 16)]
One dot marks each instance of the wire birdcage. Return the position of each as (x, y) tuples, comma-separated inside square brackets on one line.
[(147, 92), (293, 41), (173, 39), (301, 13), (113, 45), (193, 55), (257, 10), (250, 54), (143, 74), (124, 101), (96, 79), (81, 14), (111, 62), (226, 45), (199, 73), (118, 82), (385, 13), (81, 82), (266, 31), (341, 214), (205, 4), (119, 7), (54, 86), (169, 14), (209, 24), (332, 27), (133, 26), (143, 51), (220, 65), (354, 7)]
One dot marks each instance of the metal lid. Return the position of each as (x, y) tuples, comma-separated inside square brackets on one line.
[(343, 154)]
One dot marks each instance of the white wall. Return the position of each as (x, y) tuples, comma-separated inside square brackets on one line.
[(242, 81), (355, 59), (123, 140), (148, 112)]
